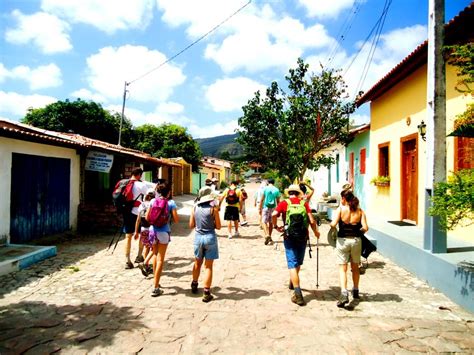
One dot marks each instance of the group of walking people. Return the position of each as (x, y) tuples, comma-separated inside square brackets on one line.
[(295, 214)]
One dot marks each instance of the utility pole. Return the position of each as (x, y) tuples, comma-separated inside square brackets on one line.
[(434, 238), (123, 110)]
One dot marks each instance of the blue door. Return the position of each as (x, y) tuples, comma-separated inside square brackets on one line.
[(40, 190)]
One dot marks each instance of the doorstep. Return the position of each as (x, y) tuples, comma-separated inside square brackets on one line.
[(14, 257)]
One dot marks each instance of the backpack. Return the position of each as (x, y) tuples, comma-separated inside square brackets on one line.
[(159, 212), (244, 195), (122, 196), (232, 197), (269, 202), (296, 221)]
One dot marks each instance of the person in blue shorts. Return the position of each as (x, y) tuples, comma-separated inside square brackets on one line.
[(205, 219)]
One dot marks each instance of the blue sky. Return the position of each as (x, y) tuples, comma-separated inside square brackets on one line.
[(66, 49)]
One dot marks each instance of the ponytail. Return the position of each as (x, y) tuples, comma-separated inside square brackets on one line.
[(350, 199)]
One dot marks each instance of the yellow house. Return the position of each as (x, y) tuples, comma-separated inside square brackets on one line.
[(397, 106)]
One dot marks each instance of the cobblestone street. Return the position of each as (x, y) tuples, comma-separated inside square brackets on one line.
[(83, 301)]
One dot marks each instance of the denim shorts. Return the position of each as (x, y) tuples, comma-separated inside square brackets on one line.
[(205, 246), (294, 252)]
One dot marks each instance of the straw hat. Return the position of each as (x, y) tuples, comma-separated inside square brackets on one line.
[(332, 237), (205, 195), (295, 188)]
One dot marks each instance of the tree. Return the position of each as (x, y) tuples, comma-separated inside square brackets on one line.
[(86, 118), (168, 141), (286, 131)]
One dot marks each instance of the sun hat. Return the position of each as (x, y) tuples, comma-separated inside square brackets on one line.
[(205, 195), (332, 236), (150, 191), (295, 188)]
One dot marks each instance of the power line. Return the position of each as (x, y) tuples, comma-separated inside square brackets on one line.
[(192, 44)]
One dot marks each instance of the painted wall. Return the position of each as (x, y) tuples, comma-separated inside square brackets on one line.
[(9, 146), (361, 181), (389, 123)]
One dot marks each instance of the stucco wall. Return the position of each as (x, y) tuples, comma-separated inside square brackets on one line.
[(361, 181), (9, 146), (389, 124)]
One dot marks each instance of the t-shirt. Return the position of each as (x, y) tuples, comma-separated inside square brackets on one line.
[(140, 188), (283, 205), (166, 228), (270, 195), (237, 191)]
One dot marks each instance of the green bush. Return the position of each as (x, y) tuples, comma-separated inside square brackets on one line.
[(453, 201)]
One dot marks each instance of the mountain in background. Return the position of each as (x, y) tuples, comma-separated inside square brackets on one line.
[(215, 146)]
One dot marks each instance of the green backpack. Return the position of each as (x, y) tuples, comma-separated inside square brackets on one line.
[(296, 221)]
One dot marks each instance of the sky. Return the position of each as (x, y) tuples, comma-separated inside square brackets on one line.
[(54, 50)]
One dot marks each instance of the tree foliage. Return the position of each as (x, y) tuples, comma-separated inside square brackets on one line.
[(168, 141), (462, 57), (86, 118), (286, 131), (453, 201)]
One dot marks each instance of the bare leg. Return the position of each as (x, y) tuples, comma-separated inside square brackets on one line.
[(128, 246), (294, 276), (355, 275), (197, 268), (343, 276), (208, 273), (140, 247), (159, 250), (236, 226)]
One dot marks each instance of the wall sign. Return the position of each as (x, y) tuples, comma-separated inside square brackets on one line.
[(98, 161)]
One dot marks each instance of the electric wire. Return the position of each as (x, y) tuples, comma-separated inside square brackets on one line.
[(192, 44)]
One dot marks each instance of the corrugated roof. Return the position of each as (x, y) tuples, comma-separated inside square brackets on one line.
[(457, 30), (27, 132)]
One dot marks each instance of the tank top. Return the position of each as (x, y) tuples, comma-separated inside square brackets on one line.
[(349, 230), (204, 218)]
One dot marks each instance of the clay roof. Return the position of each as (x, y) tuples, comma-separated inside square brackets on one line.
[(26, 132), (458, 30)]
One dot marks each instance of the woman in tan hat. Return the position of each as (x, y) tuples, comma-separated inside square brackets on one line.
[(205, 219)]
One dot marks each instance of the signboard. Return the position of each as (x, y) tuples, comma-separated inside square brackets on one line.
[(98, 161)]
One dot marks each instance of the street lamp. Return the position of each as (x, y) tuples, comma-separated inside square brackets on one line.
[(422, 130)]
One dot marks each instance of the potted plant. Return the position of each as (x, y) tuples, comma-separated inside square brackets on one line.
[(381, 181)]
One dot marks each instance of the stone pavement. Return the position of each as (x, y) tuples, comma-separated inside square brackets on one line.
[(83, 301)]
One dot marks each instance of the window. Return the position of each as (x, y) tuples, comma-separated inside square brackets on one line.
[(384, 159), (337, 167), (362, 161), (463, 153)]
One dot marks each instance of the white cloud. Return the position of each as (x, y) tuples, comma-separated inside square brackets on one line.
[(85, 94), (12, 103), (217, 129), (46, 31), (256, 39), (44, 76), (324, 8), (232, 93), (106, 15), (111, 67)]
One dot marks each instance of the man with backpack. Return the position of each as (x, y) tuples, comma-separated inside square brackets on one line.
[(268, 201), (233, 199), (296, 216), (128, 196)]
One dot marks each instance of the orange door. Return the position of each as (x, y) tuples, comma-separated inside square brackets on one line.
[(409, 181), (351, 169)]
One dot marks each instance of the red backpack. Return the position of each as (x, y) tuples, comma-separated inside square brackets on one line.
[(232, 197), (122, 195), (159, 212)]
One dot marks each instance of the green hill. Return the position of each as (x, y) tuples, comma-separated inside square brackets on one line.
[(215, 146)]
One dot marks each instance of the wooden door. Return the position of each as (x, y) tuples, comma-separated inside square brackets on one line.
[(409, 180), (351, 170)]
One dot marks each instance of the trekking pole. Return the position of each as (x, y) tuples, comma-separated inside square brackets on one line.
[(118, 239), (113, 237), (317, 263)]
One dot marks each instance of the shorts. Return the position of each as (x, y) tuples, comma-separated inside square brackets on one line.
[(348, 250), (129, 220), (158, 237), (294, 252), (144, 235), (267, 214), (205, 246), (231, 213)]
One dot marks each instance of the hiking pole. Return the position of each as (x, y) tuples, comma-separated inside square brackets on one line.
[(118, 239), (317, 263), (113, 237)]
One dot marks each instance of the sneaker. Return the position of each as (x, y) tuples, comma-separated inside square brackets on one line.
[(290, 285), (236, 235), (207, 297), (298, 299), (194, 287), (230, 236), (244, 223), (139, 259), (128, 265), (268, 241), (343, 300), (355, 294), (149, 269), (156, 292)]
